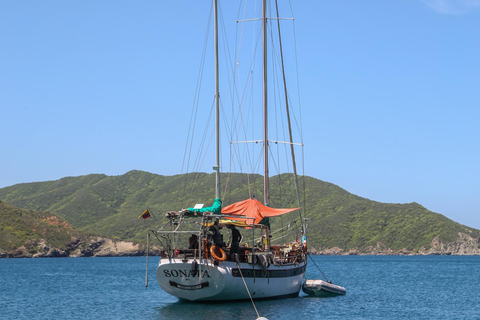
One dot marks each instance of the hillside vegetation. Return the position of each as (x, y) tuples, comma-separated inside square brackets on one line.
[(27, 228), (110, 205)]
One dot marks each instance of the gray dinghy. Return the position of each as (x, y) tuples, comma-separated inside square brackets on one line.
[(320, 288)]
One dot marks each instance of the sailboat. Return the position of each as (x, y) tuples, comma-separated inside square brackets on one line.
[(205, 268)]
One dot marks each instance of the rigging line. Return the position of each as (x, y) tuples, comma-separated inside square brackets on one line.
[(258, 164), (227, 57), (296, 69), (226, 185), (231, 80), (236, 73), (255, 45), (288, 116), (239, 121), (278, 114), (304, 178), (193, 116), (249, 84), (288, 226), (200, 164), (272, 158), (296, 57), (277, 100), (199, 79), (300, 129), (234, 154), (191, 127), (248, 154), (199, 160), (251, 177), (279, 175), (240, 101), (238, 45), (252, 119), (201, 149), (290, 233)]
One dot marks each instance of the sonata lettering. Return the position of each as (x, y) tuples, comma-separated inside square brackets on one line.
[(174, 273)]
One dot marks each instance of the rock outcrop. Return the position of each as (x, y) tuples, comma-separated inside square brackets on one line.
[(464, 245), (104, 247), (78, 247)]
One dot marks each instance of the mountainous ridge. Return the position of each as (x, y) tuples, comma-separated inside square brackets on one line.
[(104, 206)]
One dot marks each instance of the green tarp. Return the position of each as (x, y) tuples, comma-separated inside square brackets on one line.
[(215, 208)]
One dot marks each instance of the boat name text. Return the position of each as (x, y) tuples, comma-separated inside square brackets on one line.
[(184, 273)]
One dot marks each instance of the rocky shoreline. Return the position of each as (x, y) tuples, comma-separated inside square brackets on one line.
[(104, 247), (80, 247), (465, 245)]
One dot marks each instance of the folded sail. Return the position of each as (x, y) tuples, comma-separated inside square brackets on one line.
[(215, 208)]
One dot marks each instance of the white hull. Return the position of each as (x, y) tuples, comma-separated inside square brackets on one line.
[(224, 282)]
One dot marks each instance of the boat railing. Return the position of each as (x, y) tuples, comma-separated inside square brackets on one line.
[(176, 242)]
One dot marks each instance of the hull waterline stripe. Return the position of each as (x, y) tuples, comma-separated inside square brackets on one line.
[(259, 273)]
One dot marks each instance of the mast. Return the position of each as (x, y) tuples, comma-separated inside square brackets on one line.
[(266, 183), (266, 186), (217, 106)]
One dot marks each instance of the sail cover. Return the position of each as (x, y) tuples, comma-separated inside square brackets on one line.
[(253, 208)]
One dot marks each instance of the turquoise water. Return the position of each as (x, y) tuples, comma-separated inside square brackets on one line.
[(378, 287)]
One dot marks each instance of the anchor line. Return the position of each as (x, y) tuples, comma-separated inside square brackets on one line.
[(308, 254), (246, 287)]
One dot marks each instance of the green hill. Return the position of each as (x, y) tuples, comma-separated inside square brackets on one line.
[(110, 205), (28, 229)]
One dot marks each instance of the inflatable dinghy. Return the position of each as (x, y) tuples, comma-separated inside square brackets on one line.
[(320, 288)]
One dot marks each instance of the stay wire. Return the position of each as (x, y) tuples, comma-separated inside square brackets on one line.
[(308, 254)]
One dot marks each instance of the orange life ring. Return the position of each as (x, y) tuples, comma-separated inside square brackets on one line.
[(214, 255)]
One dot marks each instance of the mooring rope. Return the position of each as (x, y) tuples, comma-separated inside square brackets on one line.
[(308, 254), (246, 287)]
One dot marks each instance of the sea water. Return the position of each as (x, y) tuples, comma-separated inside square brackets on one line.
[(378, 287)]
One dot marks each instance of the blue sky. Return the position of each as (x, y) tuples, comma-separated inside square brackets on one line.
[(390, 93)]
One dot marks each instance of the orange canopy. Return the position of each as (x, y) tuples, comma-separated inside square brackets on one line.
[(253, 208)]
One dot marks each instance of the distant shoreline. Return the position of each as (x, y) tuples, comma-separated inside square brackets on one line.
[(156, 253)]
